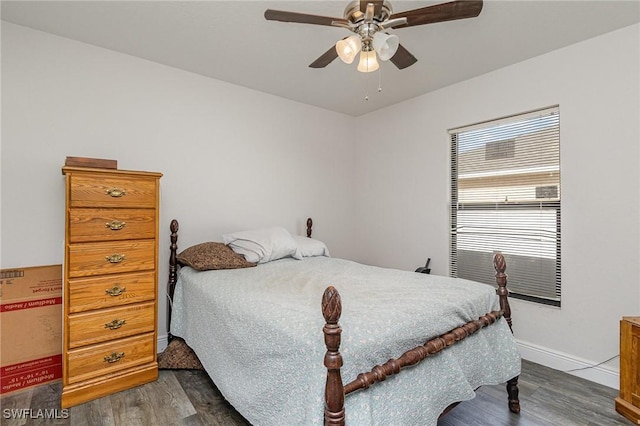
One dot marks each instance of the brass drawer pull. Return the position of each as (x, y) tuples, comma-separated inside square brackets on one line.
[(115, 225), (115, 291), (114, 357), (115, 324), (115, 258), (115, 192)]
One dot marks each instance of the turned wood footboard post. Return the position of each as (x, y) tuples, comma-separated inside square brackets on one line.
[(500, 266), (173, 271), (334, 389)]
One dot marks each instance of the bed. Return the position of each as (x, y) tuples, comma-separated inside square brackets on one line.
[(271, 338)]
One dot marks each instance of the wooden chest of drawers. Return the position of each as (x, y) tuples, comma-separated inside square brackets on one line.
[(628, 403), (110, 282)]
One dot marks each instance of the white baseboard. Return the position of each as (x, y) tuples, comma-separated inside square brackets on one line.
[(559, 361), (163, 341)]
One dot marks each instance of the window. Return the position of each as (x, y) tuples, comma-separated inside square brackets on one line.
[(505, 196)]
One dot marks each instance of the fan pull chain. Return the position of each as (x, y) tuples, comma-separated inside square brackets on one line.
[(366, 94), (366, 87)]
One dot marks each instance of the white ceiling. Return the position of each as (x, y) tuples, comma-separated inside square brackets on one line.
[(231, 41)]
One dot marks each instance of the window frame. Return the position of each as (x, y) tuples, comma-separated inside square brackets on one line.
[(542, 204)]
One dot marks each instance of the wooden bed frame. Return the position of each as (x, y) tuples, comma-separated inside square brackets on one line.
[(335, 390)]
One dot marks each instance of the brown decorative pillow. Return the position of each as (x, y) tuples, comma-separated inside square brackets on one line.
[(207, 256)]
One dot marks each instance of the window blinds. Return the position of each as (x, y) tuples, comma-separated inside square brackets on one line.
[(505, 196)]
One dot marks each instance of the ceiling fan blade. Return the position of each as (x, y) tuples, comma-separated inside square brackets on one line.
[(403, 58), (458, 9), (325, 59), (302, 18)]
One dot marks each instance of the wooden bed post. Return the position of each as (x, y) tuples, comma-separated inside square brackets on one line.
[(334, 389), (173, 272), (309, 225), (500, 266)]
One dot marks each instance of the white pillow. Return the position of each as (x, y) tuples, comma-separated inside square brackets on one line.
[(263, 245), (309, 247)]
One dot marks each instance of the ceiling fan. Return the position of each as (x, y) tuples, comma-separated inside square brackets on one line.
[(369, 20)]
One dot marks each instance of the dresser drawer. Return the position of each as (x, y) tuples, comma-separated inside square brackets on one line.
[(104, 358), (111, 224), (87, 259), (90, 293), (108, 324), (111, 191)]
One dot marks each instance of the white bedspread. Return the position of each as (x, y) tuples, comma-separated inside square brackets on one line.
[(258, 333)]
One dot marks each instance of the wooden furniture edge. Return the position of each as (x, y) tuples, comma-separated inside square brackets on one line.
[(68, 169), (309, 226), (500, 266), (173, 272), (627, 409), (100, 163), (104, 386), (625, 402)]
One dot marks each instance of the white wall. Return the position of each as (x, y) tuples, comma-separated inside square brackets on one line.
[(232, 158), (402, 180)]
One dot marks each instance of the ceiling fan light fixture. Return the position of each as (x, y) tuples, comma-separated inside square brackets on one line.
[(348, 48), (386, 45), (370, 17), (368, 61)]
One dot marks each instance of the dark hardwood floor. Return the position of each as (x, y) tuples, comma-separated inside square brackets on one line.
[(548, 397)]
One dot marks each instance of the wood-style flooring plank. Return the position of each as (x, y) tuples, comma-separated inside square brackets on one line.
[(98, 412), (547, 398), (133, 408), (16, 401), (211, 406), (169, 402), (48, 398)]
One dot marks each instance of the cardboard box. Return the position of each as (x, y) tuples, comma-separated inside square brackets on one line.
[(30, 327)]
